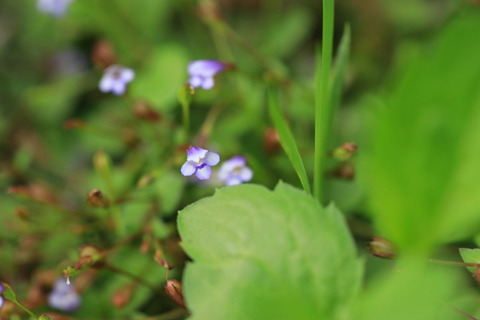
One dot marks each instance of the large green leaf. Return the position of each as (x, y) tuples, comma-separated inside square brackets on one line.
[(422, 170), (261, 254)]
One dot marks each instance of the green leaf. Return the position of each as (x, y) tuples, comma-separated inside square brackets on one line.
[(288, 141), (470, 256), (261, 254), (421, 171)]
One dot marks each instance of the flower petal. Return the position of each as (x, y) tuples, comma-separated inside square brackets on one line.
[(105, 84), (211, 158), (208, 83), (118, 87), (205, 68), (232, 181), (195, 154), (204, 172), (188, 168), (127, 75), (245, 174), (195, 81)]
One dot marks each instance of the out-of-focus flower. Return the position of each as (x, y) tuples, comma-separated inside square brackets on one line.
[(63, 297), (56, 8), (235, 171), (199, 161), (115, 79), (1, 298), (202, 72)]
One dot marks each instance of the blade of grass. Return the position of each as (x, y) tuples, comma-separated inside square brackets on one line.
[(287, 140), (339, 68), (323, 105)]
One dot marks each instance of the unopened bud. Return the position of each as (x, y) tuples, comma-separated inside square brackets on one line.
[(344, 171), (158, 257), (73, 124), (173, 288), (44, 316), (103, 54), (22, 213), (145, 180), (271, 141), (97, 199), (122, 296), (382, 248), (476, 275), (345, 152), (144, 111), (89, 256)]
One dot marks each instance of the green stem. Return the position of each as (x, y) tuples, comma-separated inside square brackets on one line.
[(127, 274), (323, 106), (24, 309), (186, 119), (456, 263)]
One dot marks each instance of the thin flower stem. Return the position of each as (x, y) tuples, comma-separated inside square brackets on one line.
[(24, 309), (186, 118), (463, 313), (456, 263), (207, 126), (323, 112), (127, 274)]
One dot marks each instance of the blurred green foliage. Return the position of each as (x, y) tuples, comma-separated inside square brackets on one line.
[(407, 95)]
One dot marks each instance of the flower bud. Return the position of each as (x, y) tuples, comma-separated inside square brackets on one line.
[(103, 54), (158, 257), (382, 248), (476, 275), (44, 316), (122, 296), (145, 180), (73, 124), (344, 171), (89, 256), (271, 141), (142, 110), (96, 199), (22, 213), (173, 288), (345, 152)]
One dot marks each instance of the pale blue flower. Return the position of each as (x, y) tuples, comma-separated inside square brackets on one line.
[(1, 298), (63, 297), (115, 79), (235, 171), (56, 8), (199, 161), (202, 73)]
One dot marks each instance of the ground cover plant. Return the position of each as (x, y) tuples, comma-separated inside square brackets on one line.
[(224, 159)]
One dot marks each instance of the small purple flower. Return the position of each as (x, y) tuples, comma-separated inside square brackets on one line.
[(56, 8), (199, 162), (235, 171), (202, 72), (1, 298), (63, 297), (115, 79)]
